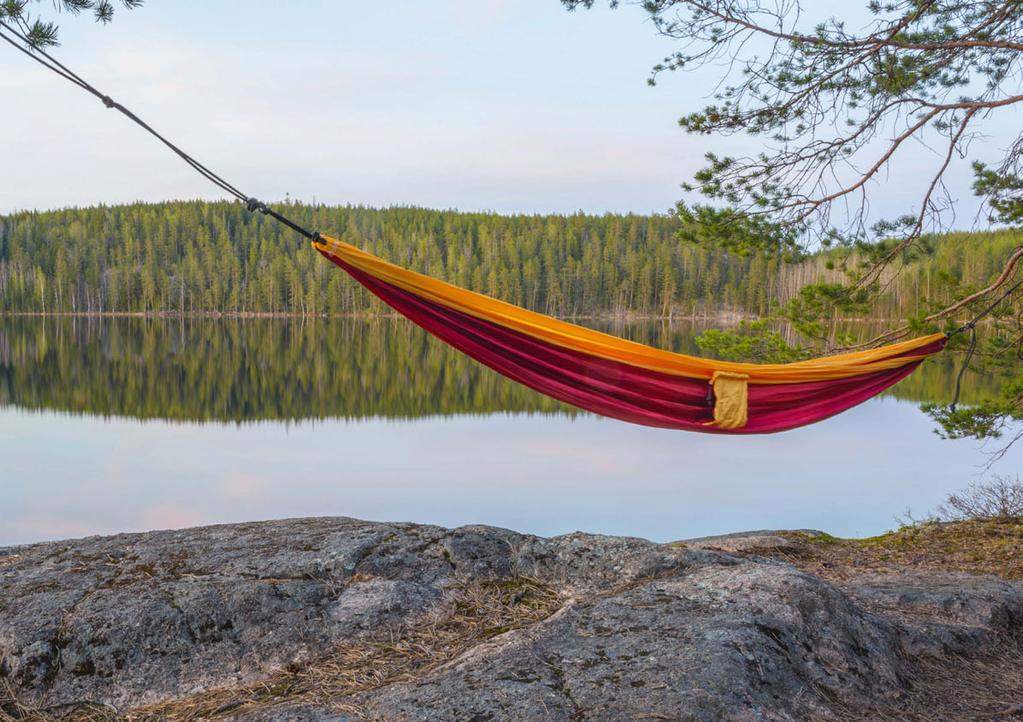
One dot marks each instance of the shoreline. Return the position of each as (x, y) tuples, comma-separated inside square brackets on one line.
[(905, 536), (358, 315), (724, 317)]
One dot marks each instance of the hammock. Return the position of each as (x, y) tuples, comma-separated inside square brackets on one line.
[(592, 370), (627, 380)]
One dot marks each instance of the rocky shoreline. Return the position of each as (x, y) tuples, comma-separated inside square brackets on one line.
[(340, 619)]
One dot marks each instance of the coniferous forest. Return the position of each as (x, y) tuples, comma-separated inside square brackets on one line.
[(198, 257)]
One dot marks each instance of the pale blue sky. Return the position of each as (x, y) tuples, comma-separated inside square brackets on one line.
[(506, 105)]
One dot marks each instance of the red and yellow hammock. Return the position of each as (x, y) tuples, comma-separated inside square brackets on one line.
[(627, 380)]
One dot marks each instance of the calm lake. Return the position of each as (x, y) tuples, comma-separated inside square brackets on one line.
[(129, 424)]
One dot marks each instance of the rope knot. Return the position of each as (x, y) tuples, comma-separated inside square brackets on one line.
[(108, 101), (254, 204), (968, 326)]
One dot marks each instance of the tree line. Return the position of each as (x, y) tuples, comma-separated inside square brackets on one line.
[(196, 257)]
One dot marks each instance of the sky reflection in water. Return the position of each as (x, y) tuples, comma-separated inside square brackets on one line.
[(67, 476), (431, 438)]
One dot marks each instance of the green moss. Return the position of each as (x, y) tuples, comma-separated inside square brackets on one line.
[(819, 538)]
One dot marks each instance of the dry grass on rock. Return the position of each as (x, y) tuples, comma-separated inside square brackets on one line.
[(988, 687), (975, 547), (479, 612)]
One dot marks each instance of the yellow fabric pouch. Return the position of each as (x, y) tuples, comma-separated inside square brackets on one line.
[(730, 399)]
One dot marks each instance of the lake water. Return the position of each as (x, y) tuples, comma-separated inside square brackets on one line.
[(130, 424)]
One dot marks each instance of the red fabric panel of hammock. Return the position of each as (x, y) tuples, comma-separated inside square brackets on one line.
[(623, 391)]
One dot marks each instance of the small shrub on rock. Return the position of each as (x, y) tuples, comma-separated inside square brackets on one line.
[(998, 499)]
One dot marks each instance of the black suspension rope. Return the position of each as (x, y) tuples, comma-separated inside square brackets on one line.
[(971, 326), (962, 369), (973, 323), (39, 55)]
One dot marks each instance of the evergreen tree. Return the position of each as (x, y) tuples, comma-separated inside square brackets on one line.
[(42, 32)]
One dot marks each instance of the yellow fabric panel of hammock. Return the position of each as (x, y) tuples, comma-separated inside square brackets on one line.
[(731, 400), (613, 348)]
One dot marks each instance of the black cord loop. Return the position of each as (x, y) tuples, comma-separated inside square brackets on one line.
[(972, 325), (39, 55)]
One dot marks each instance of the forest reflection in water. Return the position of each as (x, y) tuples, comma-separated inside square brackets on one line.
[(128, 424), (292, 369)]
